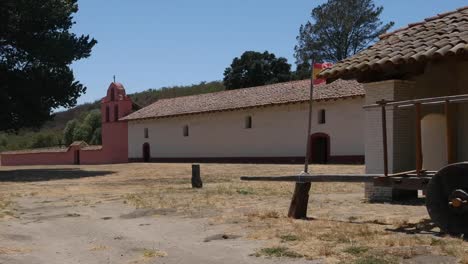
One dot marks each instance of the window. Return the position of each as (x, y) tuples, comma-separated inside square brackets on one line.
[(112, 94), (248, 122), (186, 131), (116, 113), (107, 113), (321, 116), (146, 133)]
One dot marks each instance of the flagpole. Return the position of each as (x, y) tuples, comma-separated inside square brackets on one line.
[(300, 199), (309, 121)]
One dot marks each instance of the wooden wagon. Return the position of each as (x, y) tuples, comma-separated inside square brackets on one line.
[(446, 190)]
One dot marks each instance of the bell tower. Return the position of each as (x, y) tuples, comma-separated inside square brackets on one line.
[(114, 106)]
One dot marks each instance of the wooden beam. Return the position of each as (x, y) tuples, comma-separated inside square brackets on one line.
[(419, 155), (432, 100), (384, 137), (315, 178), (403, 183)]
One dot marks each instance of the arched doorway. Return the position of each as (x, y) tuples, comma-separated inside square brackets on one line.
[(433, 136), (319, 148), (146, 152)]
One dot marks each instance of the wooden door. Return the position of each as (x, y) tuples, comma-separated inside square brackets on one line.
[(146, 152)]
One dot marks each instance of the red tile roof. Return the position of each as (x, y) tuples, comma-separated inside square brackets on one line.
[(92, 147), (267, 95), (437, 37)]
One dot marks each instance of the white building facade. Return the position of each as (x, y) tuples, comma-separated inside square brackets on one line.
[(275, 133)]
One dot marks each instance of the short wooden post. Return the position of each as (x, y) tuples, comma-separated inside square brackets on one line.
[(196, 178), (300, 200)]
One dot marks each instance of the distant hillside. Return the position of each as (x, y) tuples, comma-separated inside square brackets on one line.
[(51, 133)]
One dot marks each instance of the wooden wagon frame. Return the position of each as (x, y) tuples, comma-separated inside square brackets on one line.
[(446, 190)]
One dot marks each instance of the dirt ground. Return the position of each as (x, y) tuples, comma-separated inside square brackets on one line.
[(148, 213)]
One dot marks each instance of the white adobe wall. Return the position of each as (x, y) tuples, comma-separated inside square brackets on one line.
[(278, 131), (447, 78)]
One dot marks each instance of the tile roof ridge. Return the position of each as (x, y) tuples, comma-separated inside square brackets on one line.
[(233, 90), (438, 16)]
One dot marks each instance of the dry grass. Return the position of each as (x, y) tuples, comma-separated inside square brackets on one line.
[(13, 251), (6, 207), (153, 253), (98, 248), (345, 229)]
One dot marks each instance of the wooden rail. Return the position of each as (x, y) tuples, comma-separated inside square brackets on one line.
[(434, 100), (315, 178)]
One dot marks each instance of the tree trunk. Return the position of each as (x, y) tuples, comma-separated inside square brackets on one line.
[(300, 200)]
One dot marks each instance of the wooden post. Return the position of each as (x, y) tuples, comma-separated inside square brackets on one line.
[(419, 155), (449, 134), (384, 136), (196, 178), (300, 199)]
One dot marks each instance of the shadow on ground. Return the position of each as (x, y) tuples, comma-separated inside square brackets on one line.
[(33, 175), (411, 202), (425, 226)]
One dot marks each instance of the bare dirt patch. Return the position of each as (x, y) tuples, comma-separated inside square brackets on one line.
[(153, 207)]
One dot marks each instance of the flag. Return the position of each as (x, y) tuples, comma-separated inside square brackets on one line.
[(318, 67)]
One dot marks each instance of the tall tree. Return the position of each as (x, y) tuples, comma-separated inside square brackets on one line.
[(36, 50), (69, 131), (256, 68), (339, 29)]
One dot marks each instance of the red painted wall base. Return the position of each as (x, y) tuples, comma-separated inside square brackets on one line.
[(265, 160)]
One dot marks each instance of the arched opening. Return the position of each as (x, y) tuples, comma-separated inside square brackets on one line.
[(319, 148), (107, 114), (433, 137), (146, 152), (112, 94), (116, 113)]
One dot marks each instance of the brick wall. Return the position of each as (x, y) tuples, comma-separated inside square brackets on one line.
[(400, 135)]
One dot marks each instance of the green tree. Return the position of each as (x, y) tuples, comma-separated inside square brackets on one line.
[(36, 50), (256, 68), (96, 138), (82, 132), (339, 29), (43, 140), (93, 119), (69, 131)]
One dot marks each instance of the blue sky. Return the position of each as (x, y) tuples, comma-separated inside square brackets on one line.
[(156, 43)]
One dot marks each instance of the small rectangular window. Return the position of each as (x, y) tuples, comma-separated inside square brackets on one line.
[(146, 133), (186, 131), (321, 116), (248, 122)]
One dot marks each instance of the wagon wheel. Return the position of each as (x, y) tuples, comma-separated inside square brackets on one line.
[(447, 199)]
